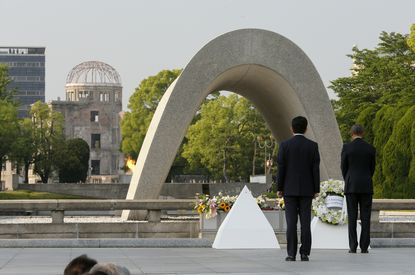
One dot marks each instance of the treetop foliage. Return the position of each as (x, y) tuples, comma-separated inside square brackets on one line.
[(5, 93), (8, 117), (220, 142), (223, 138), (142, 105), (380, 95)]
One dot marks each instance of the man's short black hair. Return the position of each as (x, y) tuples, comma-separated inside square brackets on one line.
[(79, 265), (299, 125), (357, 130)]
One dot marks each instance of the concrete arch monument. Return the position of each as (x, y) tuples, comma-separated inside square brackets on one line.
[(263, 66)]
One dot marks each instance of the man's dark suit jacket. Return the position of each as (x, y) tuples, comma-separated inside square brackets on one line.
[(298, 167), (358, 160)]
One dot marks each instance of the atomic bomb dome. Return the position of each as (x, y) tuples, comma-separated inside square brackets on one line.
[(93, 72), (92, 112), (93, 81)]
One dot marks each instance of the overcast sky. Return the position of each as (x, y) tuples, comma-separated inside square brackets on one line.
[(140, 38)]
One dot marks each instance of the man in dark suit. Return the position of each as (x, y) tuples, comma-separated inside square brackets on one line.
[(358, 165), (298, 181)]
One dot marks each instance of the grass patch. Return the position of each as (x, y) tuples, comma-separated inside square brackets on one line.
[(31, 195)]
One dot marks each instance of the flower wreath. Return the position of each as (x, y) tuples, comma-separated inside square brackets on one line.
[(328, 215)]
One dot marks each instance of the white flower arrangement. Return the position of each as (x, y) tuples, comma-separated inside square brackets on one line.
[(333, 216)]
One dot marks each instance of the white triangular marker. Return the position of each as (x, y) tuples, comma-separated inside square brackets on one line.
[(245, 226)]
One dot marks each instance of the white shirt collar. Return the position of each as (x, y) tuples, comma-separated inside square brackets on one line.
[(297, 134)]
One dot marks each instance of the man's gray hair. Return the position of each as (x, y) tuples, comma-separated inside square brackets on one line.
[(110, 269), (357, 130)]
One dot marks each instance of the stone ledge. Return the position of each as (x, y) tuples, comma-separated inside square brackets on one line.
[(100, 231), (392, 242), (107, 243), (88, 204), (160, 243)]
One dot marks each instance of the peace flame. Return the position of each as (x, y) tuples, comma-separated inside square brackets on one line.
[(130, 164)]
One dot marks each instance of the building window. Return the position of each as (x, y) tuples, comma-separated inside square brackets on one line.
[(69, 95), (95, 141), (104, 97), (94, 116), (83, 94), (95, 167), (114, 163), (101, 97)]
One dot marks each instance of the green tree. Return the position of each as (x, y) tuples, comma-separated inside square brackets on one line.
[(222, 138), (8, 117), (24, 149), (411, 176), (383, 126), (143, 104), (48, 135), (377, 95), (73, 161), (365, 118), (8, 130), (411, 38), (397, 166), (382, 76), (5, 93)]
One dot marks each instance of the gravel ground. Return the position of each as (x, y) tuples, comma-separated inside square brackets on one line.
[(387, 218), (79, 219)]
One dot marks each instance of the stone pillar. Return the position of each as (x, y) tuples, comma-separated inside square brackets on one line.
[(57, 216)]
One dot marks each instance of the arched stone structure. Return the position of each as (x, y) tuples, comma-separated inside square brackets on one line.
[(260, 65)]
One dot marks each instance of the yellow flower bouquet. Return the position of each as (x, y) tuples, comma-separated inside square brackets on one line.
[(209, 206)]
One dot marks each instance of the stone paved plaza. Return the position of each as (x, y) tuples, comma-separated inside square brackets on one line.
[(210, 261)]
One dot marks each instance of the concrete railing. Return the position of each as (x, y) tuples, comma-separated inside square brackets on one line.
[(401, 229), (58, 207), (379, 229)]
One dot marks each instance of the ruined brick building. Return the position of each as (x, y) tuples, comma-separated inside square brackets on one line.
[(92, 112)]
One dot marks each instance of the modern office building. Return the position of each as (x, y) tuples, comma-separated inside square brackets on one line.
[(92, 112), (27, 71)]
